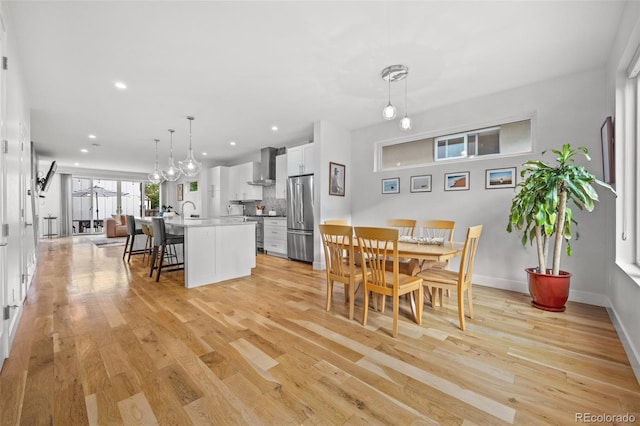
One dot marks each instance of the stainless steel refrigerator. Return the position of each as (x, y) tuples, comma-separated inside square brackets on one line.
[(300, 218)]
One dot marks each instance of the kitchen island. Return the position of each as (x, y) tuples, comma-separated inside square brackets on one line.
[(214, 249)]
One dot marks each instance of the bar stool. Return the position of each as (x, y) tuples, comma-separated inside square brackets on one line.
[(148, 245), (131, 237), (164, 242)]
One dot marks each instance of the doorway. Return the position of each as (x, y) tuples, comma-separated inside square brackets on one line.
[(94, 200)]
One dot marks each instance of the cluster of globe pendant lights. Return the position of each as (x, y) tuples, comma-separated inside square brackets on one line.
[(188, 167), (391, 74)]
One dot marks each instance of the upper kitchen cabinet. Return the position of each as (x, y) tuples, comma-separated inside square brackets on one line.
[(300, 160), (281, 177), (239, 176)]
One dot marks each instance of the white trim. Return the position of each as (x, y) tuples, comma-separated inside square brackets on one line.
[(587, 297), (377, 157), (631, 269), (632, 352)]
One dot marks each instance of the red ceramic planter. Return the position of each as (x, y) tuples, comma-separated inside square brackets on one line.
[(549, 292)]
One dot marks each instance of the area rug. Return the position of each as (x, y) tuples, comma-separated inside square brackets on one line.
[(108, 242)]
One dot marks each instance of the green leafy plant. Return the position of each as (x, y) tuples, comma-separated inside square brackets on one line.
[(542, 207)]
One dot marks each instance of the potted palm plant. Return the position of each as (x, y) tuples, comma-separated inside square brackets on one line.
[(541, 210)]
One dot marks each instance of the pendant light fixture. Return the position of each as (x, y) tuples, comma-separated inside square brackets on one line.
[(391, 74), (156, 176), (388, 112), (405, 122), (190, 167), (171, 173)]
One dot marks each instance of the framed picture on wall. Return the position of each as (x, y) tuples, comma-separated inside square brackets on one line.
[(179, 190), (500, 178), (336, 179), (391, 186), (458, 181), (421, 183), (608, 151), (193, 186)]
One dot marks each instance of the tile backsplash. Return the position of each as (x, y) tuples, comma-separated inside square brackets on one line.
[(269, 201)]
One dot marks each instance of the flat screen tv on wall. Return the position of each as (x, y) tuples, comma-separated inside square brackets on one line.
[(45, 182)]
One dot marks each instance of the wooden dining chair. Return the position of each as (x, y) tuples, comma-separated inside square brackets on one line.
[(336, 222), (406, 228), (437, 229), (340, 266), (376, 246), (460, 280)]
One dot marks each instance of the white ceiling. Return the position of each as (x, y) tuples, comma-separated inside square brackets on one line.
[(240, 67)]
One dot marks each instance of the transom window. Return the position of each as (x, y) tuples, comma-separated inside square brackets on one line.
[(498, 140)]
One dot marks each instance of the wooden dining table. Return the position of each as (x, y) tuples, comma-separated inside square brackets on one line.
[(438, 252), (420, 251)]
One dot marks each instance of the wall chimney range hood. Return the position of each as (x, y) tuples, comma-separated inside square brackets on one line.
[(267, 170)]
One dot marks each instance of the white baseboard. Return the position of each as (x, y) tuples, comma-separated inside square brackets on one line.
[(501, 283), (633, 353), (522, 287)]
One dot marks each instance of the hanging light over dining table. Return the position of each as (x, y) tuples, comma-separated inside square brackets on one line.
[(391, 74)]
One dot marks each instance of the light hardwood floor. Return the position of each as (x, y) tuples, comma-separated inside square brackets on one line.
[(101, 343)]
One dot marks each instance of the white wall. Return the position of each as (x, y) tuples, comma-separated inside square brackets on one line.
[(569, 109), (21, 258), (196, 197), (623, 283), (332, 143)]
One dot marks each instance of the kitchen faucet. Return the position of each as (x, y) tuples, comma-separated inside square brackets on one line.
[(187, 202)]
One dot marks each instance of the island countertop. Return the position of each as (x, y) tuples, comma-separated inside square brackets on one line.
[(198, 223), (215, 250)]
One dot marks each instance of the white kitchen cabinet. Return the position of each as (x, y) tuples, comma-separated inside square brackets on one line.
[(275, 236), (239, 175), (281, 177), (218, 193), (300, 160)]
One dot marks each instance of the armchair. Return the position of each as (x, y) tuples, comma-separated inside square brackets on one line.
[(115, 226)]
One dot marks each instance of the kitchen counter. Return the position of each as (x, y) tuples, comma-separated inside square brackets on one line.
[(214, 249), (189, 222)]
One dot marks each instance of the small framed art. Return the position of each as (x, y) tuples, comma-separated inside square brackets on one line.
[(500, 178), (391, 186), (608, 151), (458, 181), (336, 179), (421, 183), (180, 190)]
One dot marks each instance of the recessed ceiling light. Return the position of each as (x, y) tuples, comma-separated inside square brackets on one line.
[(274, 128), (76, 164), (84, 150), (92, 136), (120, 85), (232, 143), (204, 153)]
